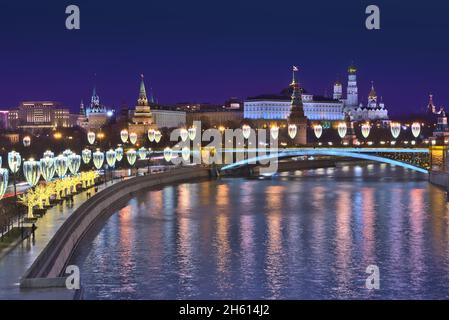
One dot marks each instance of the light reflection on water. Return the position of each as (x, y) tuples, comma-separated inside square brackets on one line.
[(309, 235)]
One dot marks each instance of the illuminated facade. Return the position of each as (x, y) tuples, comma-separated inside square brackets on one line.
[(35, 115), (374, 109)]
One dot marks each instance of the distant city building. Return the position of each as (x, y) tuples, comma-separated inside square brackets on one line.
[(4, 122), (11, 138), (37, 115), (438, 116), (215, 118), (233, 104)]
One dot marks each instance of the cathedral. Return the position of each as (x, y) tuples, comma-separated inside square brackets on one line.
[(95, 116), (373, 110)]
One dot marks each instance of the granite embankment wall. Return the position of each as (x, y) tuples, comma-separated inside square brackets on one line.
[(48, 268), (440, 179)]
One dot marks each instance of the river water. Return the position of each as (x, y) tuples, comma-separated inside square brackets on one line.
[(300, 235)]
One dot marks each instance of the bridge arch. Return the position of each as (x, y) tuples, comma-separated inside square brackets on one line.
[(323, 152)]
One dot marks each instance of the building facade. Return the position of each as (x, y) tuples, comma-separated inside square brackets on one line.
[(36, 115), (279, 108), (169, 118)]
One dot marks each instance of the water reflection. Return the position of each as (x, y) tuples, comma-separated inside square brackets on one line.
[(294, 236)]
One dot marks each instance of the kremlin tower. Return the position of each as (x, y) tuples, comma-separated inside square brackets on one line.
[(142, 119), (297, 116)]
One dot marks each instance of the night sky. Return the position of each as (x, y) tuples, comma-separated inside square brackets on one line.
[(208, 51)]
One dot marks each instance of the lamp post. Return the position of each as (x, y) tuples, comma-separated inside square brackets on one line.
[(14, 161)]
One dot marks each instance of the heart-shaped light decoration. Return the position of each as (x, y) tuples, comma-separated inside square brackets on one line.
[(292, 130), (246, 131), (395, 128), (318, 130), (151, 133), (47, 168), (133, 137), (142, 153), (32, 172), (185, 153), (74, 163), (119, 154), (184, 134), (14, 161), (124, 135), (91, 137), (98, 158), (168, 154), (61, 164), (416, 129), (131, 155), (86, 155), (366, 128), (111, 158), (342, 128), (157, 136), (192, 133)]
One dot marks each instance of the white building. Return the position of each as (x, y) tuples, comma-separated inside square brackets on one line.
[(169, 118), (278, 108)]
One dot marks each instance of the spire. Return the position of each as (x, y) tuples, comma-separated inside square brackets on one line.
[(82, 110), (431, 107), (143, 100), (372, 95), (151, 96)]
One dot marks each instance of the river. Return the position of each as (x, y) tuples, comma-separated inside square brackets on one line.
[(300, 235)]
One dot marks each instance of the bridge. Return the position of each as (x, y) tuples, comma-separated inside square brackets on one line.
[(416, 159)]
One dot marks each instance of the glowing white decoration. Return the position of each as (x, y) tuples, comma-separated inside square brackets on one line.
[(185, 153), (246, 131), (416, 129), (342, 129), (184, 134), (318, 130), (47, 168), (91, 137), (133, 137), (131, 155), (395, 128), (192, 133), (87, 155), (119, 154), (111, 158), (124, 135), (49, 154), (14, 161), (157, 136), (4, 175), (98, 158), (366, 128), (151, 133), (32, 172), (142, 153), (168, 154), (292, 130), (61, 164), (26, 141), (74, 163), (67, 153), (274, 131)]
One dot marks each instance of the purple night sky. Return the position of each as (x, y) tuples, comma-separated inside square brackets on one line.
[(208, 51)]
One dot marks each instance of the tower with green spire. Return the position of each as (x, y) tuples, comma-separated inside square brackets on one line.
[(297, 116), (142, 119)]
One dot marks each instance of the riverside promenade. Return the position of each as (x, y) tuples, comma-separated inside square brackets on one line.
[(14, 264), (25, 258)]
